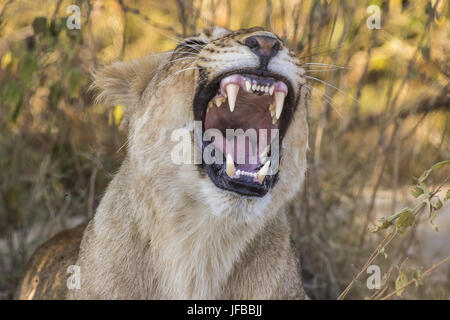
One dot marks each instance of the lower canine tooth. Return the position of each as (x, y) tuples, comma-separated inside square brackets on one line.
[(232, 92), (219, 100), (272, 110), (230, 168), (263, 172), (279, 102)]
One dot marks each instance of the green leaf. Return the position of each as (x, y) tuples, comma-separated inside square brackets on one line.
[(436, 166), (383, 252), (401, 280), (56, 93), (416, 191), (40, 25), (416, 275), (432, 216), (385, 224), (56, 26), (75, 81), (405, 220), (12, 97), (28, 67), (440, 164), (436, 203), (447, 196)]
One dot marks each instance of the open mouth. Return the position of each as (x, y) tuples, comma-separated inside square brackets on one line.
[(244, 117)]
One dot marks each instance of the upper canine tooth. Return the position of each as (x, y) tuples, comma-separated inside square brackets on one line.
[(279, 102), (232, 91), (266, 89), (248, 85), (272, 87), (263, 172), (230, 168)]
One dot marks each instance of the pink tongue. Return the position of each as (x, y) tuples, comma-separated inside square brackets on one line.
[(245, 153)]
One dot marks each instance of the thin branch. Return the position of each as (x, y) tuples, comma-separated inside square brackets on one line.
[(154, 24), (425, 274), (440, 102)]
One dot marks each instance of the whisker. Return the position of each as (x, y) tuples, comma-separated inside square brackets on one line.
[(331, 86), (318, 53), (178, 72), (170, 37), (126, 143), (178, 59), (325, 65), (161, 68), (327, 99), (185, 52), (322, 70)]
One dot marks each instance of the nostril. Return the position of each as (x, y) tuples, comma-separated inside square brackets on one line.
[(276, 46), (263, 45), (251, 42)]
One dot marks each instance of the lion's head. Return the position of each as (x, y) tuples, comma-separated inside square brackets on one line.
[(217, 81)]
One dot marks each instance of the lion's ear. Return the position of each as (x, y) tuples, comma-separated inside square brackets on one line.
[(123, 82), (213, 33)]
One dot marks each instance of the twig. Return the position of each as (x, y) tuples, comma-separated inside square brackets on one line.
[(425, 274), (154, 24), (389, 237)]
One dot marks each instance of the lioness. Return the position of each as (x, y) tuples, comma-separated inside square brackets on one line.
[(166, 230)]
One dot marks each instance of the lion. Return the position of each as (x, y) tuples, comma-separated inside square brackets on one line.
[(171, 230)]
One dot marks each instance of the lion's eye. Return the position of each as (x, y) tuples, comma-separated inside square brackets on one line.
[(188, 47), (195, 42)]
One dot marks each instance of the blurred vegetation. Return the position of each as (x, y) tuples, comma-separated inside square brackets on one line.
[(378, 120)]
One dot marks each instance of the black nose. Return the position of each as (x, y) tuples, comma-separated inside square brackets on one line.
[(263, 45)]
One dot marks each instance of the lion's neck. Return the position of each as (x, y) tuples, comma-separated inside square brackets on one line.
[(195, 255), (193, 250)]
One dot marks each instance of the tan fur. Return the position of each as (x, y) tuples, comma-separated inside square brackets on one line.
[(46, 272), (165, 231)]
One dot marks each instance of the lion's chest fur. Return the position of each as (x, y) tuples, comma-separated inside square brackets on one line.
[(145, 252)]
